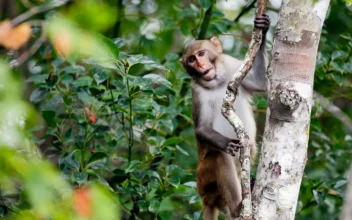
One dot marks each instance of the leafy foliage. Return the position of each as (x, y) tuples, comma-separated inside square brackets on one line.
[(110, 107)]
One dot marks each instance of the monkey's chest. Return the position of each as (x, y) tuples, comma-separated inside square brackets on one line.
[(219, 122)]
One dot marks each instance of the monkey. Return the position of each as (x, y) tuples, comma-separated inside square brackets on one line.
[(218, 181)]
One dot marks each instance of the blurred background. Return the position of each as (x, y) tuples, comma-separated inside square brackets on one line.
[(96, 108)]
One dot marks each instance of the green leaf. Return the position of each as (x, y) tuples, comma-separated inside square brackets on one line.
[(337, 66), (104, 62), (83, 81), (113, 48), (348, 68), (347, 36), (319, 197), (119, 42), (205, 4), (158, 79), (52, 80), (67, 100), (175, 170), (172, 56), (96, 157), (192, 198), (143, 205), (154, 150), (80, 177), (154, 205), (174, 181), (119, 176), (86, 98), (37, 78), (49, 117), (132, 166), (66, 79), (38, 95), (337, 78), (100, 75), (339, 55), (76, 69), (320, 74), (191, 184), (340, 183), (172, 141), (181, 150), (140, 59), (220, 27), (68, 161), (152, 173)]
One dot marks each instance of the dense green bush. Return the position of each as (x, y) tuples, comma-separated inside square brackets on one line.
[(108, 104)]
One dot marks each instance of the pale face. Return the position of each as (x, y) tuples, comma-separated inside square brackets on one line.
[(200, 61)]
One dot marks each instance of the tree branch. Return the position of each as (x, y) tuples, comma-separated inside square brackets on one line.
[(346, 210), (334, 110), (36, 10), (206, 21), (229, 113), (120, 15)]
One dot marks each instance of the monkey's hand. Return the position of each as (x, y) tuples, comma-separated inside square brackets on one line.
[(233, 146), (262, 22)]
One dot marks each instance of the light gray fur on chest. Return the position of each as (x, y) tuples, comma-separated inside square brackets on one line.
[(213, 100)]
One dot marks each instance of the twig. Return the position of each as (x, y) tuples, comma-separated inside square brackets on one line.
[(246, 9), (206, 21), (346, 209), (36, 10), (334, 110), (34, 48), (229, 112), (120, 15)]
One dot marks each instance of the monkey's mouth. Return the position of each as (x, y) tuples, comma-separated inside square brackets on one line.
[(207, 71)]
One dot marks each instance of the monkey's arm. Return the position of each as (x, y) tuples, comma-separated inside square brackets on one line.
[(206, 134), (217, 141), (255, 79)]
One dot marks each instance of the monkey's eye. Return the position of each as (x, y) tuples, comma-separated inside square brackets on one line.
[(191, 59), (201, 53)]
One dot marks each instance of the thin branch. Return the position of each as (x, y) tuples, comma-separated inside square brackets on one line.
[(27, 54), (229, 113), (206, 21), (347, 204), (334, 110), (246, 9), (120, 15), (36, 10)]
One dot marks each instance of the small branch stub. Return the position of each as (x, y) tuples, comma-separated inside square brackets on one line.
[(290, 99)]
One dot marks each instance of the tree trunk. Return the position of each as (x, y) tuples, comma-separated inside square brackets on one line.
[(290, 90)]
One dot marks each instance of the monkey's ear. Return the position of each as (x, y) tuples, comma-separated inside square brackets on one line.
[(217, 44)]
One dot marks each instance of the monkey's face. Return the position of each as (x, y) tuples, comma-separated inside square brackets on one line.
[(201, 64)]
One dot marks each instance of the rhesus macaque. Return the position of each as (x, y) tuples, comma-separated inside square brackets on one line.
[(218, 179)]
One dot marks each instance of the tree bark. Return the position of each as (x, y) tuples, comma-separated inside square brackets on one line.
[(290, 90)]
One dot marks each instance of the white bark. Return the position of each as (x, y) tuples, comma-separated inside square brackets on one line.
[(290, 89)]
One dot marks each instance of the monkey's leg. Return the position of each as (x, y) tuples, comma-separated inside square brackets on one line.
[(228, 214), (230, 186), (210, 212)]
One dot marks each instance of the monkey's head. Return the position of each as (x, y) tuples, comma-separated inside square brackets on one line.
[(199, 58)]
